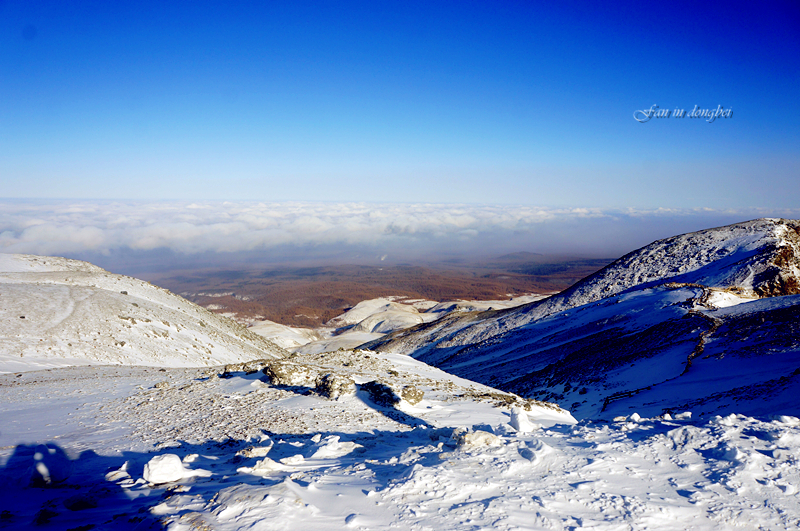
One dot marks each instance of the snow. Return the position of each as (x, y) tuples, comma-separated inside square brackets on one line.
[(741, 256), (134, 455), (181, 445), (368, 308), (630, 353), (287, 337), (346, 340), (520, 422), (386, 322), (168, 468), (372, 319), (675, 325), (482, 306), (724, 299), (59, 312)]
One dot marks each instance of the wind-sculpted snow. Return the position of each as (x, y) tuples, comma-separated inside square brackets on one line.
[(58, 312), (178, 449)]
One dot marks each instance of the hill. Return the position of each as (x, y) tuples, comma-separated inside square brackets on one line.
[(653, 331), (57, 312)]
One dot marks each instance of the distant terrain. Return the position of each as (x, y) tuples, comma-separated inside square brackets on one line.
[(310, 295)]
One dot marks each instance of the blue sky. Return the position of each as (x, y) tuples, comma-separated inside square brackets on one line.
[(439, 102)]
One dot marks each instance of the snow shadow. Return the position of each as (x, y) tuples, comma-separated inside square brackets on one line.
[(40, 485), (48, 486), (381, 403)]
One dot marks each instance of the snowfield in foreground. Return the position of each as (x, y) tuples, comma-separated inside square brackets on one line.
[(146, 448)]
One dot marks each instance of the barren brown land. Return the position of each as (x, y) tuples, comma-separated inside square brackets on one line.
[(311, 295)]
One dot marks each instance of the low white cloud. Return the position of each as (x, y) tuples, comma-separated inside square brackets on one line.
[(80, 227)]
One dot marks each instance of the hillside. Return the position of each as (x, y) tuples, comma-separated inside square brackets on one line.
[(637, 334), (57, 312)]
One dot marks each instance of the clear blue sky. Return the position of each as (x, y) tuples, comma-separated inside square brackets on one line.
[(481, 102)]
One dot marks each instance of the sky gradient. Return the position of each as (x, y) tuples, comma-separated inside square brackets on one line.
[(437, 102)]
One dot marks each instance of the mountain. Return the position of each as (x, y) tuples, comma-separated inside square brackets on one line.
[(355, 439), (57, 312), (705, 320)]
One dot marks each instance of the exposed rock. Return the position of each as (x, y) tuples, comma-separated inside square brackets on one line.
[(380, 393), (285, 373), (333, 386), (247, 367), (412, 395)]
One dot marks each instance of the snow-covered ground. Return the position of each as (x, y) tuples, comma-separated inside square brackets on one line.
[(754, 259), (287, 337), (92, 446)]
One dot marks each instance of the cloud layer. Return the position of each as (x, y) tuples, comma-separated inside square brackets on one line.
[(80, 227)]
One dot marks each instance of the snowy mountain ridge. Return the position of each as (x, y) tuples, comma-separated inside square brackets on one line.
[(652, 332), (754, 259)]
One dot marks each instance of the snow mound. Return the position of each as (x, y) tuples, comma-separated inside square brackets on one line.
[(520, 422), (167, 468), (388, 321), (368, 308), (287, 337)]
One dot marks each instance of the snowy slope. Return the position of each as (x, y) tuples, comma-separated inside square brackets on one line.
[(755, 258), (640, 323), (366, 440), (649, 351), (57, 312), (372, 319), (287, 337), (185, 449)]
